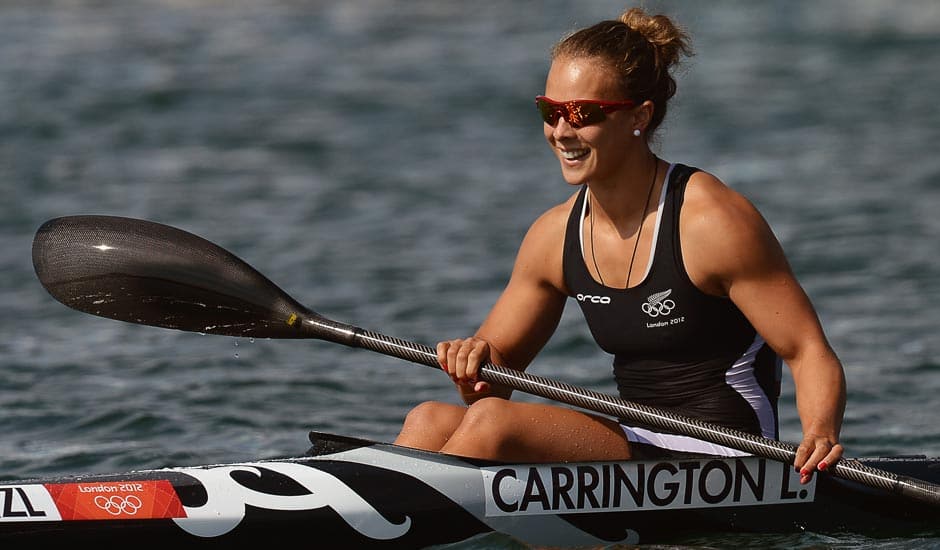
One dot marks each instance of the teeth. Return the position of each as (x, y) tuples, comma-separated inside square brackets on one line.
[(573, 153)]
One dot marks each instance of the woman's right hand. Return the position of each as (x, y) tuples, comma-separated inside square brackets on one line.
[(461, 359)]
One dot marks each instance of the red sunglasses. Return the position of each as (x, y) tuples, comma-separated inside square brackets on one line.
[(578, 112)]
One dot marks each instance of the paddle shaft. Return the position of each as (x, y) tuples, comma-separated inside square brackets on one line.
[(849, 469), (148, 273)]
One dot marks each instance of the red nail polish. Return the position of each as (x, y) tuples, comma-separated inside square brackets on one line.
[(822, 466)]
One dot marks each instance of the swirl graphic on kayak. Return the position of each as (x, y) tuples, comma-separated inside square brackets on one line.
[(225, 507)]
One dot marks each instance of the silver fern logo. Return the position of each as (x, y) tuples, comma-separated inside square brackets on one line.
[(658, 304)]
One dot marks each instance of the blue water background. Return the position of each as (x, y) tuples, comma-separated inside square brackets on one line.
[(381, 161)]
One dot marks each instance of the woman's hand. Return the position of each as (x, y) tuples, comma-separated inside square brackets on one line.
[(816, 452), (461, 359)]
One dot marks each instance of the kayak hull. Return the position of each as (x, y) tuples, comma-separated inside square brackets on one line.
[(367, 494)]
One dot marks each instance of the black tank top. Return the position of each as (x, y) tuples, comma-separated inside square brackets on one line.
[(675, 346)]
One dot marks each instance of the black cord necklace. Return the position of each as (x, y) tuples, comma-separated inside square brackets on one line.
[(639, 231)]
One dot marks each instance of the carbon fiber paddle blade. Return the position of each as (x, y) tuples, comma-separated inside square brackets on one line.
[(153, 274)]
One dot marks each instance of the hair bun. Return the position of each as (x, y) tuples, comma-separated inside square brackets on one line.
[(669, 40)]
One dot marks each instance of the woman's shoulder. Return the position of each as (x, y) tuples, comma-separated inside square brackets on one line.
[(556, 217), (709, 200), (721, 230), (546, 236)]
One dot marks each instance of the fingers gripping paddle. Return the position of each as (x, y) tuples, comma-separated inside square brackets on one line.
[(152, 274)]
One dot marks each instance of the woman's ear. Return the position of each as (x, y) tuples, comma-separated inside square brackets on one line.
[(642, 115)]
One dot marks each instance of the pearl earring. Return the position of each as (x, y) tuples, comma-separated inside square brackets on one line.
[(636, 132)]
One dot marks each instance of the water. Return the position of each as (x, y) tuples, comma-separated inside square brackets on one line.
[(380, 162)]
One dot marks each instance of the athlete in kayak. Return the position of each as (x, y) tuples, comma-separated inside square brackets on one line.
[(679, 277)]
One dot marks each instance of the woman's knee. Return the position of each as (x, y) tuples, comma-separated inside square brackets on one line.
[(429, 425), (432, 412), (491, 415)]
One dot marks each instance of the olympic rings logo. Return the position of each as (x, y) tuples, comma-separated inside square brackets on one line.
[(658, 308), (658, 304), (117, 505)]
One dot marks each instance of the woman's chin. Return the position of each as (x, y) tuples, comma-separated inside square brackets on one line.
[(573, 177)]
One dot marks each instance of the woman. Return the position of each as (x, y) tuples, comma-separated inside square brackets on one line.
[(678, 276)]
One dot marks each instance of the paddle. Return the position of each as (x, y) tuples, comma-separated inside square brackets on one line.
[(148, 273)]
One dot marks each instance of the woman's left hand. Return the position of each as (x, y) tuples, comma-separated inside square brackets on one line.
[(816, 452)]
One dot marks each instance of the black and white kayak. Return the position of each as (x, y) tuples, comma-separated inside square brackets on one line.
[(359, 494), (362, 493)]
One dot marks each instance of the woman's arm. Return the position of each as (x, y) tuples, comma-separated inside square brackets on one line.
[(731, 251), (522, 319)]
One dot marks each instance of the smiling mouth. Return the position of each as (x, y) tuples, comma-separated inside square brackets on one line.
[(573, 154)]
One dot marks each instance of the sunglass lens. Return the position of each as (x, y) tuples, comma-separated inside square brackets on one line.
[(584, 114), (577, 114), (549, 112)]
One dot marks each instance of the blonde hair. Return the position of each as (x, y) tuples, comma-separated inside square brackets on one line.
[(642, 49)]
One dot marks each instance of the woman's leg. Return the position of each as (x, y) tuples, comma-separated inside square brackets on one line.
[(430, 425), (500, 429)]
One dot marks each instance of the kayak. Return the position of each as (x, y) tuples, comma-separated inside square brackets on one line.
[(362, 493), (368, 494)]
